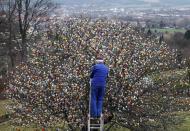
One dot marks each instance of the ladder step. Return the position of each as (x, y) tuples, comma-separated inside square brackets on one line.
[(94, 127), (95, 123)]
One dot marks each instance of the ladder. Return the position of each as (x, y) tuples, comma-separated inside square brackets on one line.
[(94, 123)]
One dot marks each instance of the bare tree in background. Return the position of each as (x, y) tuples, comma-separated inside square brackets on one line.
[(30, 14), (18, 22), (11, 30), (7, 25)]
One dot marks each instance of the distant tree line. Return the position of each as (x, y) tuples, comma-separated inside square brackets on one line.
[(180, 41), (168, 22)]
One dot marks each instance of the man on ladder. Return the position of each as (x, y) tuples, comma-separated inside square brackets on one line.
[(98, 78)]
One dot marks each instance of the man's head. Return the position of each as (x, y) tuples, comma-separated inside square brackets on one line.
[(99, 59)]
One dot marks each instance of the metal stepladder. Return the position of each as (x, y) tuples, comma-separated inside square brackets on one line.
[(99, 122), (98, 125)]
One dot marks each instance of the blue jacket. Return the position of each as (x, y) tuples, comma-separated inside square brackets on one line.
[(99, 74)]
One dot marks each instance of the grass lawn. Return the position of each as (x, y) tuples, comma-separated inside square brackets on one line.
[(3, 109), (169, 74), (169, 30), (119, 129), (185, 126), (7, 126)]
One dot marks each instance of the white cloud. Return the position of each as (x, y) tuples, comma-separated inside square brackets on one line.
[(151, 1)]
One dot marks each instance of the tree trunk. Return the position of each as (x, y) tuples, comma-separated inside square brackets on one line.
[(12, 58), (10, 46), (24, 51)]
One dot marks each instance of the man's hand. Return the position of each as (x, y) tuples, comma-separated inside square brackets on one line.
[(90, 81)]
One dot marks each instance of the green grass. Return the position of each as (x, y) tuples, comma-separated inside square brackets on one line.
[(185, 126), (169, 30), (169, 75), (8, 127), (120, 129), (3, 104), (116, 128)]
